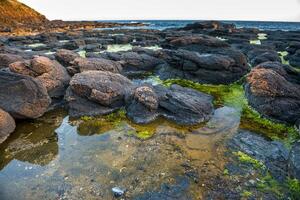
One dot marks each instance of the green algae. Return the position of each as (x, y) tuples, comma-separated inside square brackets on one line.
[(269, 184), (233, 95), (256, 42), (246, 194), (294, 188), (282, 54), (245, 158), (82, 53), (262, 36)]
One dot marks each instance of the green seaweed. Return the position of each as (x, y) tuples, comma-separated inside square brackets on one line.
[(245, 158), (294, 188), (269, 184), (246, 194), (233, 95), (282, 54)]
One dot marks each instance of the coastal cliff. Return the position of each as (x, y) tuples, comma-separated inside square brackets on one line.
[(14, 14)]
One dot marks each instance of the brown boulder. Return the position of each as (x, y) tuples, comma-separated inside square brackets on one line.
[(7, 125)]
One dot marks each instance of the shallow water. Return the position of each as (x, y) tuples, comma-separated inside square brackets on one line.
[(50, 158)]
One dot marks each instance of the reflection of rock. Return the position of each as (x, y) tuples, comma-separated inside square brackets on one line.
[(7, 125), (34, 142), (22, 96)]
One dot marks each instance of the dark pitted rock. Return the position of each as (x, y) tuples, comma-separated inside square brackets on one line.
[(6, 59), (196, 42), (203, 68), (258, 56), (182, 105), (273, 90), (294, 161), (7, 125), (23, 96), (52, 75), (211, 25), (142, 105), (294, 59), (293, 47), (139, 62), (97, 64), (272, 153), (65, 57), (98, 91)]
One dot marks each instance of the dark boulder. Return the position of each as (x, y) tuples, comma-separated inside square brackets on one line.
[(7, 125), (294, 59), (97, 64), (99, 91), (273, 90), (204, 68), (142, 105), (52, 75), (6, 59), (65, 57), (23, 96), (258, 56), (182, 105)]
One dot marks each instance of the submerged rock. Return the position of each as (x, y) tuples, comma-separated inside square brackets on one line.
[(294, 161), (7, 125), (22, 96), (273, 90), (272, 153), (50, 73)]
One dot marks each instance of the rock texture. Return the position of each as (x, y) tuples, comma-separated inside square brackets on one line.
[(7, 125), (51, 74), (96, 93), (273, 90), (23, 96), (182, 105)]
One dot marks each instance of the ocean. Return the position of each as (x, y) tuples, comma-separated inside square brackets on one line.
[(164, 24)]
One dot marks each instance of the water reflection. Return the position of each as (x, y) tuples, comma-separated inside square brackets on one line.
[(43, 160)]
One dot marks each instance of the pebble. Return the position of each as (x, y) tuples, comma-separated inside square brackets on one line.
[(117, 191)]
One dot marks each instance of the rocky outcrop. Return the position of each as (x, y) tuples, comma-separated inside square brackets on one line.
[(96, 93), (7, 125), (51, 74), (65, 57), (23, 96), (273, 90), (182, 105), (204, 57), (204, 68)]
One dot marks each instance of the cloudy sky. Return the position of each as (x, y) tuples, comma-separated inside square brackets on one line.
[(263, 10)]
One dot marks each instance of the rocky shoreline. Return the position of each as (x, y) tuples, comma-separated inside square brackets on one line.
[(76, 70)]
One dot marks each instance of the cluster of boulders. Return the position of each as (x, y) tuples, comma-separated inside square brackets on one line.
[(34, 80)]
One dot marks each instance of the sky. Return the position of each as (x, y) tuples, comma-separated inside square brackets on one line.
[(261, 10)]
